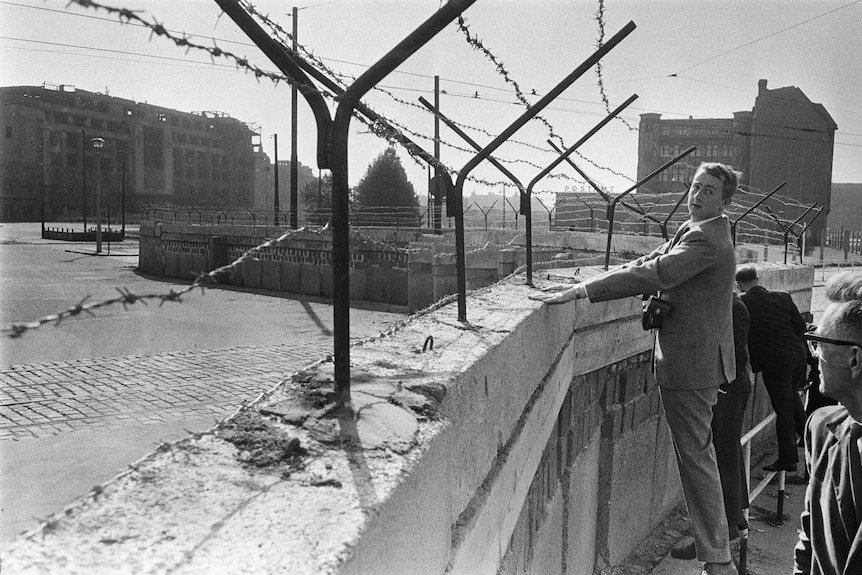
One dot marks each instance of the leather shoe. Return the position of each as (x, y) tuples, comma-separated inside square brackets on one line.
[(779, 466), (684, 548), (728, 568)]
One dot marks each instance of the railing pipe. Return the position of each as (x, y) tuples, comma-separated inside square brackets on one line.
[(498, 141), (751, 209), (613, 205)]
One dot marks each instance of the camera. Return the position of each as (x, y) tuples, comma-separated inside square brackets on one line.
[(655, 310)]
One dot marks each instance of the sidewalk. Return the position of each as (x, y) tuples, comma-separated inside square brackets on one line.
[(67, 426), (770, 543)]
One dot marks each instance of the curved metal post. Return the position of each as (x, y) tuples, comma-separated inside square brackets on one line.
[(784, 230), (751, 209), (790, 229), (663, 225), (289, 65), (805, 229), (575, 146), (505, 135), (602, 193), (337, 140), (521, 189), (613, 205)]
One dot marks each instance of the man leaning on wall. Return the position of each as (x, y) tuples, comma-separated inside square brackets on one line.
[(777, 351), (694, 349)]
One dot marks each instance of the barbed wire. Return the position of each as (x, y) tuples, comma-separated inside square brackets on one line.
[(600, 21)]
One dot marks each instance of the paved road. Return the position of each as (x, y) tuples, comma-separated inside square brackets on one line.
[(82, 400)]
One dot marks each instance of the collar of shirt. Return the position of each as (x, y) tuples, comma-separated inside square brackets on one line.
[(696, 225)]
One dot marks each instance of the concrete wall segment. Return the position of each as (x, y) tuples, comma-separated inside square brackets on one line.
[(483, 476)]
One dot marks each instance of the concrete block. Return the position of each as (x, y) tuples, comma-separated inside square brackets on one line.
[(172, 265), (289, 277), (547, 556), (376, 284), (324, 280), (270, 275), (420, 291), (358, 284), (399, 288), (630, 493), (251, 273), (582, 506), (666, 488), (309, 278)]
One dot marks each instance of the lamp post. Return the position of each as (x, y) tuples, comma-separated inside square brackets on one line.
[(98, 144)]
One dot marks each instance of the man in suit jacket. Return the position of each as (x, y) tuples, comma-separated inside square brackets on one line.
[(830, 541), (694, 350), (777, 350)]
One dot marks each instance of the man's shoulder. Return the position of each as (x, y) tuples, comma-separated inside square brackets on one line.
[(824, 419)]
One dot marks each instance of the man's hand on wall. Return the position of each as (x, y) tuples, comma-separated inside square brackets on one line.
[(561, 293)]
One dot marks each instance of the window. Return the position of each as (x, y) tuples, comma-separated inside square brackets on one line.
[(8, 131)]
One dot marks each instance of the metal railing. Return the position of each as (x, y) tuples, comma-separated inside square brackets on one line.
[(745, 442)]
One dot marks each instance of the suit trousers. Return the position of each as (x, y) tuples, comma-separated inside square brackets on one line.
[(781, 382), (689, 416), (727, 416)]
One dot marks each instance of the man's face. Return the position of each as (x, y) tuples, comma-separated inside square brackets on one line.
[(705, 199), (836, 379)]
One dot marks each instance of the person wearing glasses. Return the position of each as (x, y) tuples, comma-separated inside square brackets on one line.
[(777, 350), (694, 350), (830, 538)]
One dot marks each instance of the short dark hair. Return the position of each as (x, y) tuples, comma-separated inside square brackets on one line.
[(746, 273), (728, 176)]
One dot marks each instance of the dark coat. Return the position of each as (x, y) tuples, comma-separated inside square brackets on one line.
[(775, 337)]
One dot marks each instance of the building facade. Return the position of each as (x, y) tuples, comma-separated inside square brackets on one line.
[(151, 155), (784, 138)]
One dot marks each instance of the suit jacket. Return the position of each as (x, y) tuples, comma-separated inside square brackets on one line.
[(741, 325), (694, 347), (830, 541), (775, 337)]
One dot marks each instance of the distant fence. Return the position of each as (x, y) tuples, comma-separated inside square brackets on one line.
[(845, 240)]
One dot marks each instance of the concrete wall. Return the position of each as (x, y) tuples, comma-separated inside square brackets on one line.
[(541, 448), (405, 268)]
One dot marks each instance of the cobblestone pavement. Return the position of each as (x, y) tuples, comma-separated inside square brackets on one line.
[(39, 400)]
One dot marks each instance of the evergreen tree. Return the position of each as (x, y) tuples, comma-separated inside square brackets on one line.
[(385, 184)]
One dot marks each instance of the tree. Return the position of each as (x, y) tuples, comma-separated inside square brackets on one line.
[(385, 184), (317, 199)]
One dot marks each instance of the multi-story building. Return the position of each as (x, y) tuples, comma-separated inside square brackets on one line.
[(785, 138), (151, 154)]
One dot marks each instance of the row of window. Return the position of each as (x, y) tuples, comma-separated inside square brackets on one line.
[(707, 151), (105, 106), (92, 123), (686, 130)]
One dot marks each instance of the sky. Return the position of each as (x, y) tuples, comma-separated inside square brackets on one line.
[(695, 58)]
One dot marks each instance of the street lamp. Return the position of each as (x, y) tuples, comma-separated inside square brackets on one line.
[(98, 144)]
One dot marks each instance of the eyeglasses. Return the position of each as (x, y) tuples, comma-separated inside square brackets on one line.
[(813, 340)]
